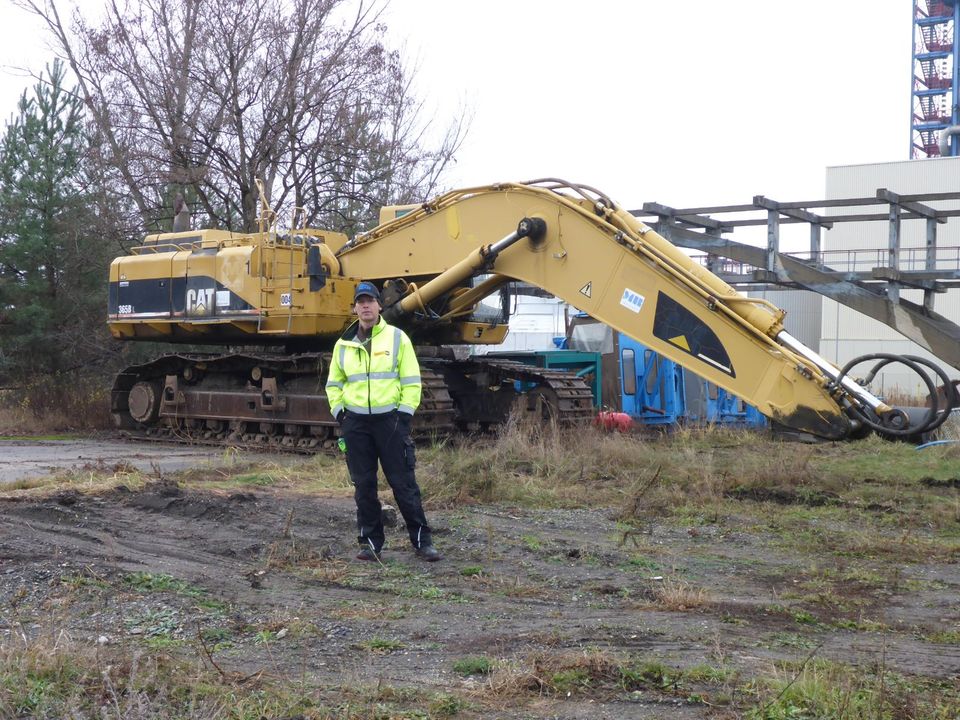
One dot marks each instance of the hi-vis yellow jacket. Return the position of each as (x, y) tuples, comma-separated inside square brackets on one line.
[(385, 379)]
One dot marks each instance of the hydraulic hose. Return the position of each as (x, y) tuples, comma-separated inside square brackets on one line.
[(896, 423)]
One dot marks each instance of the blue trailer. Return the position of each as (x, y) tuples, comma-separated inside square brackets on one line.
[(657, 391), (648, 387)]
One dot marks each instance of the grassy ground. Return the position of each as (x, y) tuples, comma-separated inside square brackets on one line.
[(856, 529)]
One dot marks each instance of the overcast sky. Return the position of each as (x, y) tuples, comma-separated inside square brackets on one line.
[(685, 103)]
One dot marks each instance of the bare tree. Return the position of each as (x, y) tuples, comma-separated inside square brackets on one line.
[(201, 97)]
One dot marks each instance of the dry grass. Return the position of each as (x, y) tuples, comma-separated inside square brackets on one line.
[(589, 673), (561, 468), (92, 479), (587, 467), (322, 475), (44, 407), (509, 586), (677, 595), (549, 673), (54, 676), (828, 690)]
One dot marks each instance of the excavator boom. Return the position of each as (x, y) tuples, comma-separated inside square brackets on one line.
[(602, 260)]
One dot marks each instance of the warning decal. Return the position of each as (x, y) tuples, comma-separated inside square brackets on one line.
[(675, 324)]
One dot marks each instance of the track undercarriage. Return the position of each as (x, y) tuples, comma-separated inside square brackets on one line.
[(278, 401)]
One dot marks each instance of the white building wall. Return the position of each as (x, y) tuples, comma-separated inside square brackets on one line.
[(804, 313), (533, 325), (846, 333)]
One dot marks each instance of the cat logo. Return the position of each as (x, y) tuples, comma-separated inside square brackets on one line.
[(200, 301)]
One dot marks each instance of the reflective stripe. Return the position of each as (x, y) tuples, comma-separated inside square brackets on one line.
[(361, 377), (343, 352), (336, 411), (410, 380), (405, 409), (396, 349), (375, 410), (334, 383)]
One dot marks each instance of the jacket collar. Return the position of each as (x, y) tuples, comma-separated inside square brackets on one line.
[(351, 332)]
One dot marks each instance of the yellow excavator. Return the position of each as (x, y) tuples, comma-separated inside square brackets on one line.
[(279, 300)]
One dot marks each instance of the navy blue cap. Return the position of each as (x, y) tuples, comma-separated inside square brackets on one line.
[(366, 288)]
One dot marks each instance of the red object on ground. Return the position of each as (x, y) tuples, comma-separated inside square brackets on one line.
[(617, 421)]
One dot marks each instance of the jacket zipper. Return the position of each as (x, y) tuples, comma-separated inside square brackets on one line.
[(362, 350)]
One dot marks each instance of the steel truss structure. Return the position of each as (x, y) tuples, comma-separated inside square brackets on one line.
[(869, 281)]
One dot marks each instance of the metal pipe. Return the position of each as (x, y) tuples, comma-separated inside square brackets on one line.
[(469, 299), (533, 228), (831, 371), (945, 135)]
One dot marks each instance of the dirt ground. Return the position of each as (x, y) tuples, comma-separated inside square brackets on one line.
[(26, 458), (267, 577)]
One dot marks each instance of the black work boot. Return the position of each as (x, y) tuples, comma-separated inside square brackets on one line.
[(368, 554), (428, 553)]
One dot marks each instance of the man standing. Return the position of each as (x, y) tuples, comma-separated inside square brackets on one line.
[(373, 390)]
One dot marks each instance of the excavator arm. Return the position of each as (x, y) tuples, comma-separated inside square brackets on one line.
[(578, 245)]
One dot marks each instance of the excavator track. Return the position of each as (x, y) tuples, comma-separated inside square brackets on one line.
[(488, 391), (246, 401), (276, 402)]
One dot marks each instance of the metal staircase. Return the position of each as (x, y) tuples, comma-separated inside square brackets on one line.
[(936, 74)]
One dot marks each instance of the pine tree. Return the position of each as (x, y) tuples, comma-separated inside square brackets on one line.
[(52, 266)]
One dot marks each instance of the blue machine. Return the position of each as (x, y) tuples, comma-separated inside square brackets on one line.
[(658, 391), (651, 387), (627, 376)]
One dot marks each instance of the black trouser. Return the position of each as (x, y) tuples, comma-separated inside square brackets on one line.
[(385, 438)]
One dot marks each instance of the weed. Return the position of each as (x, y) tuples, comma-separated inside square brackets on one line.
[(473, 665), (944, 637), (471, 571), (260, 479), (212, 606), (353, 610), (446, 705), (162, 622), (860, 625), (163, 642), (587, 672), (381, 646), (216, 639), (145, 582), (264, 637), (52, 677), (84, 579), (709, 674), (638, 675), (430, 592), (531, 543), (567, 681), (643, 564), (830, 690), (791, 640), (676, 594)]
